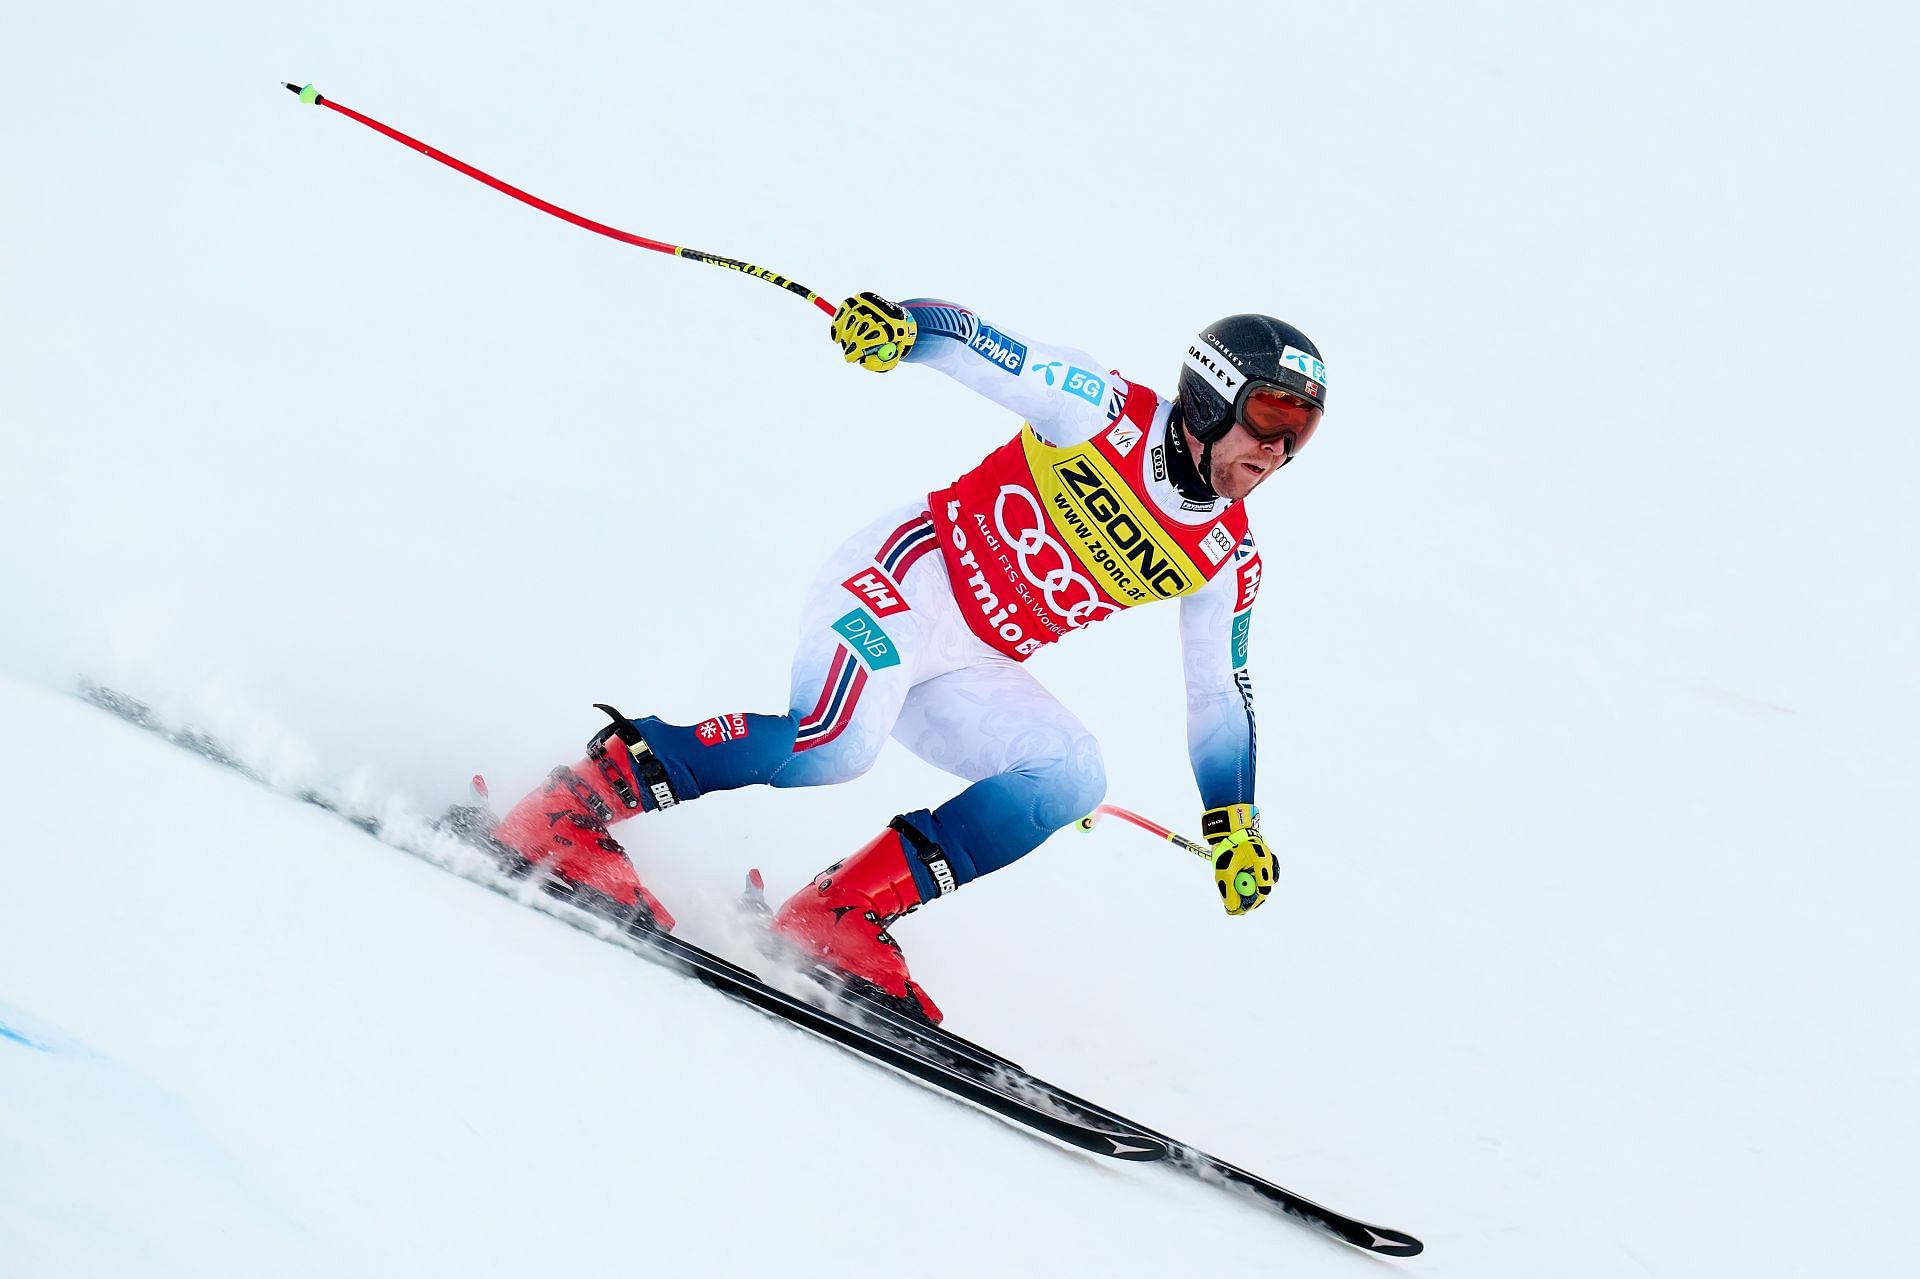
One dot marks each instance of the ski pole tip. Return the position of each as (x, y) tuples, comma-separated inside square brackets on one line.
[(307, 93)]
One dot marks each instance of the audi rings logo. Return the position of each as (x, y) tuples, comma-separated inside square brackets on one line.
[(1043, 561)]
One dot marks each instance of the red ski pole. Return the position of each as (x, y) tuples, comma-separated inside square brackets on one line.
[(312, 96), (1147, 824)]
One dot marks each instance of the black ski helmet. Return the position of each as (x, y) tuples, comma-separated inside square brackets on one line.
[(1232, 357)]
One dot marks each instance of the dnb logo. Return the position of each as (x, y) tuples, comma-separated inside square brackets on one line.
[(1242, 624), (991, 344), (721, 728), (877, 591), (870, 644)]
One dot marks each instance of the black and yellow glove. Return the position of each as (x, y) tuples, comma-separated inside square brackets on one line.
[(873, 332), (1243, 866)]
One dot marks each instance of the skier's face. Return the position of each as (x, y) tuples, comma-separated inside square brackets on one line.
[(1241, 463)]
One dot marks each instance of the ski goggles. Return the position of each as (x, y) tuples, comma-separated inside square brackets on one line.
[(1271, 413)]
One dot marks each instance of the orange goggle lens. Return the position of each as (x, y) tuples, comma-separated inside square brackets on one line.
[(1271, 414)]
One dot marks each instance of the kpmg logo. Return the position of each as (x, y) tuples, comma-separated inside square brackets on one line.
[(991, 344), (870, 644)]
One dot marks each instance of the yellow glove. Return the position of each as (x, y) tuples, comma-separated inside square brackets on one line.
[(873, 332), (1243, 866)]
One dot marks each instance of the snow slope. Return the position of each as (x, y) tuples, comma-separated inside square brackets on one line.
[(243, 1037), (1583, 659)]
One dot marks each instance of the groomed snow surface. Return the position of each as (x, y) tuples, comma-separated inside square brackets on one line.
[(1583, 659), (244, 1038)]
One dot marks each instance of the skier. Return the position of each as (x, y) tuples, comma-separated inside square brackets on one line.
[(917, 627)]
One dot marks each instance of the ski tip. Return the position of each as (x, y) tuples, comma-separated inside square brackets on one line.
[(1138, 1149), (755, 884), (1388, 1243), (479, 786)]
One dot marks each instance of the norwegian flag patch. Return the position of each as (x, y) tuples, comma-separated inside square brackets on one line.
[(721, 728)]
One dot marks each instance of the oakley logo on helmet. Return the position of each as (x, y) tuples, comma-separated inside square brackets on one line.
[(1219, 344), (1208, 364)]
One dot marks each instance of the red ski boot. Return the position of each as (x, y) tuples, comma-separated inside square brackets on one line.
[(842, 917), (562, 828)]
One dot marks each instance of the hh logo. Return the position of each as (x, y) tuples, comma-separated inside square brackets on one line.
[(721, 728), (877, 591), (1249, 583)]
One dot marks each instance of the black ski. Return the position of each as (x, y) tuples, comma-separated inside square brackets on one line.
[(964, 1054), (878, 1031), (1095, 1135), (986, 1064)]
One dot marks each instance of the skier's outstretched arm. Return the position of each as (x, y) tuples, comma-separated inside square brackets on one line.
[(1065, 394), (1214, 626)]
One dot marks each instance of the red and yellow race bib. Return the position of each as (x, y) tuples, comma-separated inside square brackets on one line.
[(1040, 541)]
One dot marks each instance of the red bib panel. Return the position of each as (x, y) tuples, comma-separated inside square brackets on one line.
[(1040, 541)]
